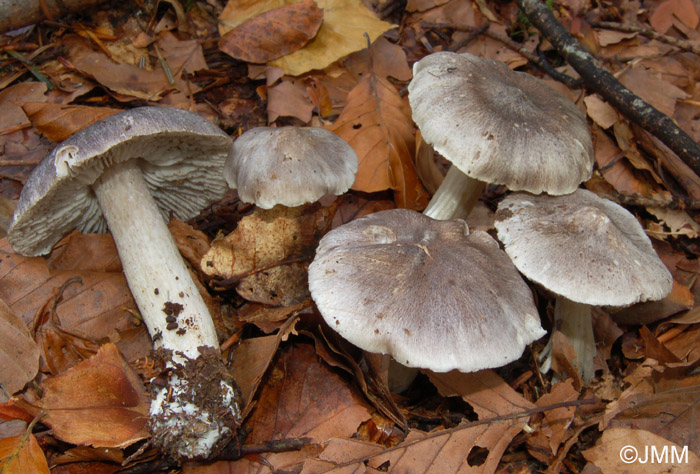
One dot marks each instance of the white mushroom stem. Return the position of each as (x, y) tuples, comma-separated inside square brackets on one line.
[(162, 286), (456, 196), (575, 322)]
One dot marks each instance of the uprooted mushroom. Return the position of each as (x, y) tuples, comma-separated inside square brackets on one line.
[(128, 173)]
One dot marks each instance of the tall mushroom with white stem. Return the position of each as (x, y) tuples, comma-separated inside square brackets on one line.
[(128, 173), (496, 126), (589, 252)]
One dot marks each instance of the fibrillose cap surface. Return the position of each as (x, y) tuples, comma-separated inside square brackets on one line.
[(580, 246), (500, 126), (289, 165), (180, 154), (427, 292)]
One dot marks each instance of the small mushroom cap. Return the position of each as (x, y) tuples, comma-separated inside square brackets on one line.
[(289, 165), (427, 292), (180, 154), (500, 126), (580, 246)]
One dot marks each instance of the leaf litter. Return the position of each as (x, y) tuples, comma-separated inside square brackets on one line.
[(299, 381)]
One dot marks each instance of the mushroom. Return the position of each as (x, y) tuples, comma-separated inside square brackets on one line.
[(496, 126), (128, 172), (588, 251), (429, 293), (289, 165)]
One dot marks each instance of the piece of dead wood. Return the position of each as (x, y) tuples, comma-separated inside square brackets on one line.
[(603, 82), (14, 14)]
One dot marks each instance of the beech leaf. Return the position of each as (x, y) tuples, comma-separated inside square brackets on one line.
[(376, 122)]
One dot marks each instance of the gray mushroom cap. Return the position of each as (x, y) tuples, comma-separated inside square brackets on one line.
[(427, 292), (500, 126), (580, 246), (180, 154), (289, 165)]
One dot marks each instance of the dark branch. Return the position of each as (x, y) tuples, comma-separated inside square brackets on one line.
[(605, 84)]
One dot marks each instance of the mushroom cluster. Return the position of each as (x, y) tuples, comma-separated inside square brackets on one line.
[(128, 173)]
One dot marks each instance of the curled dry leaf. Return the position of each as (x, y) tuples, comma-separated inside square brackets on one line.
[(100, 402), (19, 354), (274, 33), (20, 455), (266, 255), (376, 122)]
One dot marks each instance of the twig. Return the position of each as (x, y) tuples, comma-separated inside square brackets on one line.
[(651, 34), (547, 68), (449, 431), (604, 83)]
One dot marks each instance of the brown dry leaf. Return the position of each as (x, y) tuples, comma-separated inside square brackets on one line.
[(289, 99), (376, 122), (666, 13), (191, 243), (11, 115), (95, 308), (345, 23), (555, 425), (20, 456), (19, 354), (283, 285), (58, 122), (99, 402), (660, 400), (302, 398), (274, 33), (648, 85), (618, 172), (600, 111), (490, 396), (182, 55), (385, 58), (126, 79), (677, 221), (250, 361), (628, 450), (266, 238), (648, 312)]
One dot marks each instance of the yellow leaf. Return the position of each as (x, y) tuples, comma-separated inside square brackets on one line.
[(376, 122), (18, 456), (344, 24)]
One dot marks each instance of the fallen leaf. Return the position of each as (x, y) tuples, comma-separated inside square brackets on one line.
[(274, 33), (629, 450), (663, 17), (11, 99), (58, 122), (555, 425), (600, 111), (385, 59), (302, 398), (19, 354), (126, 79), (96, 307), (376, 122), (19, 455), (288, 99), (677, 221), (182, 55), (100, 402), (266, 257)]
